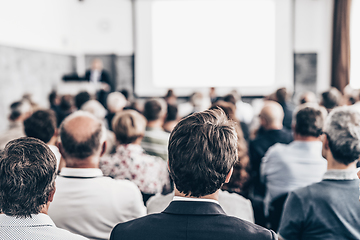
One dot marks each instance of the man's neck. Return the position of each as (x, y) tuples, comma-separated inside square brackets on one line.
[(213, 196), (298, 137), (273, 127), (90, 162), (335, 165), (155, 124)]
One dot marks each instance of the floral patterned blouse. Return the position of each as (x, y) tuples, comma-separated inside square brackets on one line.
[(131, 162)]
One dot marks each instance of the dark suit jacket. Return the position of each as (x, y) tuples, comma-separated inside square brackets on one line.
[(257, 149), (104, 77), (190, 220)]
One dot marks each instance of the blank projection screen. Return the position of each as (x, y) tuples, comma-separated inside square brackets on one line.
[(190, 45)]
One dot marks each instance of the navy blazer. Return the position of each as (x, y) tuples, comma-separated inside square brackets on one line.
[(190, 220)]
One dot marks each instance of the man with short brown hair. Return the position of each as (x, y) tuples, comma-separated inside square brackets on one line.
[(202, 152)]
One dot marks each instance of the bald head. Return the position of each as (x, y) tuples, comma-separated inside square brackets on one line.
[(271, 115), (82, 136)]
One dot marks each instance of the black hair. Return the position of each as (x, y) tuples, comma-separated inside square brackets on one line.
[(41, 125)]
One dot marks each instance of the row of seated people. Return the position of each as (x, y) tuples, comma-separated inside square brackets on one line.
[(202, 152), (271, 118)]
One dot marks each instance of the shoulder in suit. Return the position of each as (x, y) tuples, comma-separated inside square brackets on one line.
[(190, 220)]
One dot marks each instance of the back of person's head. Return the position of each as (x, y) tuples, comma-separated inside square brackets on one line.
[(307, 97), (41, 125), (202, 151), (27, 170), (331, 99), (227, 107), (96, 108), (19, 109), (172, 112), (53, 98), (128, 126), (342, 128), (196, 99), (82, 135), (271, 114), (66, 103), (81, 98), (309, 120), (155, 109), (281, 95), (230, 98), (116, 102), (125, 93)]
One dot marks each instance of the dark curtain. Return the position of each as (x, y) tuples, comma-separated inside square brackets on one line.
[(341, 44)]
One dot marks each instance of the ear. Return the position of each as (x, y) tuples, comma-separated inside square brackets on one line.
[(227, 180), (325, 142), (51, 195), (103, 148), (61, 149)]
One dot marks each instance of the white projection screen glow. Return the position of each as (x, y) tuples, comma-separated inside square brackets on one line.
[(189, 45)]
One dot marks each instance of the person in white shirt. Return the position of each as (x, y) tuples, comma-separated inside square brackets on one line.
[(287, 167), (27, 187), (86, 202)]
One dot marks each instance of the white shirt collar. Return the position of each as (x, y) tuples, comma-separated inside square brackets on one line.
[(341, 174), (40, 219), (81, 172), (177, 198)]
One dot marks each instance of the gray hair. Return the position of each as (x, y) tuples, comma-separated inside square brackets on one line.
[(116, 102), (342, 128), (94, 107)]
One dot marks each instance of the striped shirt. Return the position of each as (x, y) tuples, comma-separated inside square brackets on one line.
[(155, 142)]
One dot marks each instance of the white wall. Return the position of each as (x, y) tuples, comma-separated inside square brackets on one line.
[(313, 33), (68, 26), (35, 25)]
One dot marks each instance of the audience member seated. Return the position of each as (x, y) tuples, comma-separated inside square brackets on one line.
[(155, 139), (130, 161), (199, 166), (244, 111), (308, 97), (81, 98), (331, 99), (329, 209), (115, 103), (281, 96), (54, 102), (171, 118), (233, 204), (270, 132), (97, 109), (66, 107), (27, 187), (42, 125), (298, 164), (170, 97), (86, 202), (19, 111), (244, 127), (240, 174)]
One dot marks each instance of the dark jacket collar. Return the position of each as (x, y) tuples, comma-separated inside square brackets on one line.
[(194, 208)]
